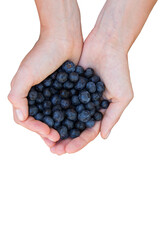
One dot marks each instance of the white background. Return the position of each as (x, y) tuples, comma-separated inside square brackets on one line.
[(110, 189)]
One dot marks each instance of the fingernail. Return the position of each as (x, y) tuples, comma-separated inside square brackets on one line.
[(19, 114), (107, 135)]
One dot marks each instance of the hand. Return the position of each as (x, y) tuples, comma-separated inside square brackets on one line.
[(57, 44), (111, 65)]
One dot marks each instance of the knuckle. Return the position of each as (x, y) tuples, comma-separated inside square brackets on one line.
[(12, 98)]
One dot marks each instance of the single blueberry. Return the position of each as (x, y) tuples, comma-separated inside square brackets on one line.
[(79, 70), (68, 84), (49, 121), (92, 112), (40, 107), (47, 111), (46, 92), (104, 104), (53, 75), (39, 87), (68, 66), (71, 114), (95, 96), (62, 77), (81, 83), (79, 108), (80, 125), (33, 110), (97, 104), (91, 87), (58, 116), (89, 106), (32, 95), (65, 103), (74, 133), (40, 98), (57, 85), (84, 97), (68, 123), (53, 90), (31, 102), (56, 99), (100, 87), (56, 125), (56, 107), (98, 116), (47, 104), (84, 116), (63, 132), (75, 100), (88, 72), (73, 77), (64, 93), (90, 123), (95, 78), (39, 116), (47, 82), (73, 92)]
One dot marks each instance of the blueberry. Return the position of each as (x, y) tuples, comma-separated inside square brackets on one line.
[(90, 123), (57, 85), (95, 78), (49, 121), (79, 108), (62, 77), (73, 92), (98, 116), (79, 70), (31, 102), (104, 104), (47, 104), (74, 133), (91, 87), (100, 87), (47, 82), (40, 98), (33, 110), (65, 103), (64, 93), (71, 114), (40, 107), (81, 83), (68, 84), (56, 107), (63, 132), (68, 123), (53, 75), (92, 112), (90, 106), (53, 91), (57, 125), (39, 87), (95, 96), (58, 116), (73, 77), (46, 92), (56, 99), (97, 104), (47, 111), (75, 100), (39, 116), (84, 97), (68, 66), (80, 125), (32, 95), (88, 72), (84, 116)]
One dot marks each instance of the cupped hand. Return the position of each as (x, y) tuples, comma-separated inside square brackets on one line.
[(111, 64), (52, 49)]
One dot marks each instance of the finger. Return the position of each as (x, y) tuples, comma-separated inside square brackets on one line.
[(111, 117), (48, 142), (87, 136), (59, 147)]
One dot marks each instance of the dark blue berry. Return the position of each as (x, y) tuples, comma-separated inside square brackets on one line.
[(40, 107), (79, 70), (57, 85), (95, 78), (39, 116), (79, 108), (98, 116), (46, 92), (88, 72), (40, 98), (104, 104), (57, 125), (92, 112), (100, 87), (47, 111), (97, 104), (81, 83), (68, 123), (64, 93), (63, 132), (32, 95), (90, 106), (56, 107), (74, 133), (58, 116), (75, 100), (91, 87), (33, 110), (73, 77), (68, 84), (62, 77), (95, 96), (80, 125), (90, 123), (84, 97), (68, 66), (39, 87), (71, 114), (73, 92), (53, 91), (47, 104), (84, 116), (47, 82), (49, 121), (56, 99), (65, 103), (31, 102), (53, 75)]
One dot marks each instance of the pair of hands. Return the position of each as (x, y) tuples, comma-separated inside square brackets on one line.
[(54, 47)]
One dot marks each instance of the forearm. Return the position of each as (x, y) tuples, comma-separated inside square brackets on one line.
[(121, 21)]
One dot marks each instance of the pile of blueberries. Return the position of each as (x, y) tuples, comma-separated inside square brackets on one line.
[(68, 100)]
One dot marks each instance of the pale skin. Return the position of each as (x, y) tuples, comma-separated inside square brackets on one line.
[(105, 49)]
